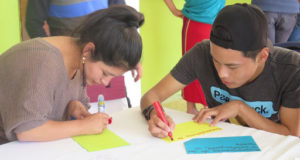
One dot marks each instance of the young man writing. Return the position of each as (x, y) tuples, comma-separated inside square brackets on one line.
[(242, 74)]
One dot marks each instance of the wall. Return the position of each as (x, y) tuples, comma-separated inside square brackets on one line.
[(161, 35), (10, 33), (228, 2)]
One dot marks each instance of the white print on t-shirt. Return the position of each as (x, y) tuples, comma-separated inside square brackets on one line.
[(265, 108)]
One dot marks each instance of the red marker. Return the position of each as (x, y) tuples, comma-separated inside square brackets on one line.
[(162, 116), (110, 120)]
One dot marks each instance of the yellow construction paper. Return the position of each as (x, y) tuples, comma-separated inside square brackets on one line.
[(105, 140), (190, 129)]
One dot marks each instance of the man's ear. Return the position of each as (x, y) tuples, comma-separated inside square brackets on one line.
[(88, 49), (263, 55)]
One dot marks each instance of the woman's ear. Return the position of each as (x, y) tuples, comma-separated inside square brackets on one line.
[(88, 49)]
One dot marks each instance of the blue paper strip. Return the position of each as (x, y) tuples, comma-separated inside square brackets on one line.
[(221, 144)]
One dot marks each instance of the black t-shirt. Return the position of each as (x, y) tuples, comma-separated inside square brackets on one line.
[(278, 84)]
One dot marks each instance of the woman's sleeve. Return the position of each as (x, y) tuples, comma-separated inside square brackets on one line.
[(29, 93)]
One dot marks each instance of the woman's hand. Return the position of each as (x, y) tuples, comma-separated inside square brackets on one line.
[(139, 70), (77, 110), (177, 13), (95, 123)]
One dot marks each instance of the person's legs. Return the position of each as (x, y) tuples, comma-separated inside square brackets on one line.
[(284, 27), (191, 108), (295, 35), (192, 33), (271, 17)]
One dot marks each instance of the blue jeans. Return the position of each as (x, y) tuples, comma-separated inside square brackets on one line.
[(280, 26), (295, 36)]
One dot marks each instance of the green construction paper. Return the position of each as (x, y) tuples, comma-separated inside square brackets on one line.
[(105, 140), (190, 129)]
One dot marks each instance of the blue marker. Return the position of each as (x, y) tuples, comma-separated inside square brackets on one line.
[(101, 106)]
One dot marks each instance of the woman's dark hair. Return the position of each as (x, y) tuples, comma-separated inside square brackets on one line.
[(114, 33)]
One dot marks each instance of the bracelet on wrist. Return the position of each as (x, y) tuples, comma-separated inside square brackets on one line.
[(147, 112)]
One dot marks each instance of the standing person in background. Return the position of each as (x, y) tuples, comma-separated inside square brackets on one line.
[(281, 16), (295, 36), (61, 16), (198, 16)]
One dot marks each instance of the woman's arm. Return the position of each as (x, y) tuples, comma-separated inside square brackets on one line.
[(54, 130), (176, 12)]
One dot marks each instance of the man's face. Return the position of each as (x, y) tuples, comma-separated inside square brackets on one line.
[(233, 68)]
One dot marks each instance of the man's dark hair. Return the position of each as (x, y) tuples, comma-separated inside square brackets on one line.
[(241, 27), (225, 35)]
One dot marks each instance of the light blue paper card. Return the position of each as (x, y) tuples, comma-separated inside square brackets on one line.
[(221, 144)]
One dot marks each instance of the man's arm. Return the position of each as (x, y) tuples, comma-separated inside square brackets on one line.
[(161, 91), (36, 14), (290, 118), (164, 89)]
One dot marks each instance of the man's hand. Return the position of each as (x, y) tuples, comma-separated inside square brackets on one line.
[(158, 128), (220, 113)]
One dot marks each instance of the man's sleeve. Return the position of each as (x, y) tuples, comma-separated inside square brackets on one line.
[(185, 71), (291, 95), (36, 14)]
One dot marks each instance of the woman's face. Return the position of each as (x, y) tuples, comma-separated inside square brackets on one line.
[(100, 73)]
